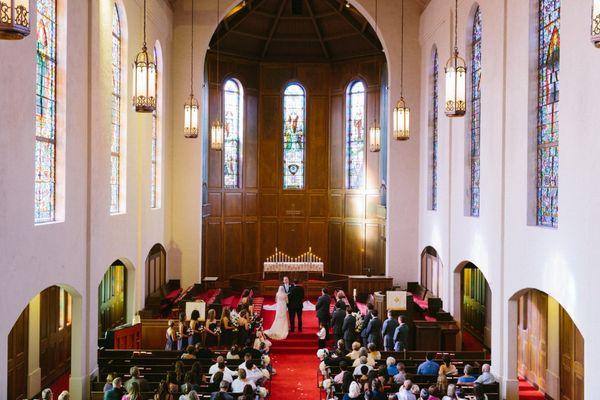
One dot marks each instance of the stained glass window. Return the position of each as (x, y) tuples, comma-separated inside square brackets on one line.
[(45, 116), (355, 135), (154, 171), (475, 113), (547, 118), (434, 131), (233, 107), (294, 100), (115, 148)]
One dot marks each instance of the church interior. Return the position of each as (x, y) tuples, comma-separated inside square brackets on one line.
[(205, 169)]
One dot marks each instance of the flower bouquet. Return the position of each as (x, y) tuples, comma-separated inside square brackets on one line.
[(359, 321)]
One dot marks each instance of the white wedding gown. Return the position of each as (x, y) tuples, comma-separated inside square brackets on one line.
[(281, 325)]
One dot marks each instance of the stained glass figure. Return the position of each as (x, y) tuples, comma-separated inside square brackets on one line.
[(45, 117), (547, 118), (115, 152), (475, 113), (154, 186), (294, 101), (434, 131), (233, 108), (355, 135)]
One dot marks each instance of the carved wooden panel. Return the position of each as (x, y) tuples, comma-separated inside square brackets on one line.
[(18, 346), (293, 237), (232, 204), (250, 204), (355, 206), (274, 77), (268, 238), (315, 77), (251, 247), (372, 205), (533, 336), (292, 205), (213, 249), (571, 359), (372, 251), (318, 239), (55, 340), (337, 142), (233, 247), (268, 205), (250, 143), (318, 205), (336, 206), (353, 248), (214, 199), (318, 132), (271, 127)]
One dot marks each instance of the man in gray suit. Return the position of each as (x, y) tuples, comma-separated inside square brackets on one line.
[(349, 328), (389, 327), (373, 331)]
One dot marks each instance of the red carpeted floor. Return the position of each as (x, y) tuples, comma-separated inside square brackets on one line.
[(60, 384), (528, 392), (295, 360)]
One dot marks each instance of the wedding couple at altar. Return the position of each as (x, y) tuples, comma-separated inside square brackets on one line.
[(289, 303)]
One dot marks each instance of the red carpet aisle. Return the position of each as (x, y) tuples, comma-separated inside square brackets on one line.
[(528, 392), (60, 384), (295, 360)]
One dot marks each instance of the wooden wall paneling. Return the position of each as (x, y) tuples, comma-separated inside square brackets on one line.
[(268, 238), (337, 142), (336, 205), (274, 76), (317, 138), (214, 199), (318, 205), (251, 247), (250, 143), (232, 204), (55, 340), (571, 359), (335, 246), (315, 77), (318, 238), (233, 254), (292, 205), (355, 206), (270, 128), (372, 203), (268, 204), (372, 251), (293, 237), (214, 266), (18, 353), (250, 205), (353, 247), (532, 337)]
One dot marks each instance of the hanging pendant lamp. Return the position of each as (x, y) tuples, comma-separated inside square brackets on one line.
[(144, 78), (456, 77), (191, 107), (14, 19), (595, 29), (401, 114), (375, 129), (216, 128)]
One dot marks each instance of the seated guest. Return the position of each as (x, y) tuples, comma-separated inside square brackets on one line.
[(222, 393), (238, 385), (47, 394), (193, 396), (373, 352), (415, 390), (247, 393), (404, 393), (382, 375), (400, 377), (261, 339), (185, 391), (428, 367), (171, 336), (108, 385), (215, 381), (478, 392), (172, 383), (247, 357), (364, 353), (253, 373), (189, 383), (254, 353), (362, 363), (441, 385), (486, 377), (322, 354), (339, 378), (233, 353), (424, 395), (392, 369), (115, 393), (162, 392), (340, 348), (227, 373), (179, 372), (355, 353), (376, 392), (389, 327), (135, 377), (363, 375), (353, 391), (133, 393), (203, 352), (189, 353), (447, 368), (451, 393), (217, 367), (433, 393), (467, 377), (64, 395)]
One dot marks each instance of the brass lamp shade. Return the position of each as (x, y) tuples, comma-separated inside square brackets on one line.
[(595, 29), (144, 83), (190, 124), (401, 120), (216, 135), (14, 19), (456, 86)]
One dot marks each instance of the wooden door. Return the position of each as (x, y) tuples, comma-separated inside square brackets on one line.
[(55, 334), (532, 337), (571, 359), (18, 345)]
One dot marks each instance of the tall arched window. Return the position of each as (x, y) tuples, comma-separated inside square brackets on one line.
[(233, 98), (294, 102), (434, 132), (115, 148), (155, 155), (355, 135), (547, 113), (45, 118), (475, 113)]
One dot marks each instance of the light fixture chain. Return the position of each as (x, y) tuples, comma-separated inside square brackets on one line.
[(402, 53), (218, 61), (192, 55), (144, 24), (456, 26)]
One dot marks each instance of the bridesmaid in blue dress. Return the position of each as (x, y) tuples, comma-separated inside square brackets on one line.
[(182, 336), (171, 337)]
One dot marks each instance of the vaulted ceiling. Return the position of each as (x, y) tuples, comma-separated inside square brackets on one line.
[(295, 30)]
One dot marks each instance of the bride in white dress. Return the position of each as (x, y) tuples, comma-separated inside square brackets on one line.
[(281, 325)]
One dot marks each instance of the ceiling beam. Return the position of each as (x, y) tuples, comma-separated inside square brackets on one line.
[(342, 11), (250, 7), (317, 29), (273, 28)]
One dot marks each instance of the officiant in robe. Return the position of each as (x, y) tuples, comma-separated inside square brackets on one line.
[(295, 305)]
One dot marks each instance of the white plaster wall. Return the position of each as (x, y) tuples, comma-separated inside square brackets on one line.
[(512, 254), (76, 252)]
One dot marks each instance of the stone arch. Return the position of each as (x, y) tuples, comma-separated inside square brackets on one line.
[(129, 287)]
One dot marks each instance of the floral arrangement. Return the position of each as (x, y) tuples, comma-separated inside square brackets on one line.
[(218, 330), (256, 322), (235, 320), (359, 321)]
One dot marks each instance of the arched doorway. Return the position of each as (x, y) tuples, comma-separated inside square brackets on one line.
[(474, 307), (112, 298), (156, 270), (431, 271), (550, 347), (42, 341)]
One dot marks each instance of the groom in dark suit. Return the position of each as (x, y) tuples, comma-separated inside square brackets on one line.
[(295, 300), (322, 308)]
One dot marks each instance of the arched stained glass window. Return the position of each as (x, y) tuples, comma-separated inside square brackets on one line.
[(155, 155), (355, 135), (434, 132), (115, 148), (233, 97), (294, 103), (547, 118), (475, 113), (45, 117)]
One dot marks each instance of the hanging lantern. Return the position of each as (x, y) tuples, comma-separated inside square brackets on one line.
[(401, 120), (144, 79), (216, 135), (456, 78), (375, 137), (190, 124), (14, 19), (596, 23)]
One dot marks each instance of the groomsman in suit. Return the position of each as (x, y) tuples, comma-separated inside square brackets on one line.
[(349, 328), (389, 327), (337, 320), (401, 334), (373, 331), (366, 320), (322, 308), (295, 305)]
